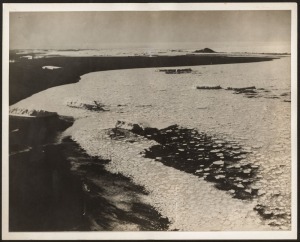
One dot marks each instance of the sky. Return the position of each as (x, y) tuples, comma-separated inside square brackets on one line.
[(66, 30)]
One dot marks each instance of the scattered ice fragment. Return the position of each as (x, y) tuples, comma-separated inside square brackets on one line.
[(51, 67), (214, 151), (219, 163), (248, 190), (261, 192), (219, 177), (247, 171)]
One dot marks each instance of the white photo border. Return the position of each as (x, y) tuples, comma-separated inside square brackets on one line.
[(67, 7)]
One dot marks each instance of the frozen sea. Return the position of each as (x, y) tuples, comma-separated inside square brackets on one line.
[(158, 100), (246, 48)]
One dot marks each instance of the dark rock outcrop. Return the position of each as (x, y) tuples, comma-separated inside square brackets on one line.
[(91, 105), (209, 87), (205, 50), (241, 89), (176, 71), (130, 126)]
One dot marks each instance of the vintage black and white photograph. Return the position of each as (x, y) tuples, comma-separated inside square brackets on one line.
[(173, 120)]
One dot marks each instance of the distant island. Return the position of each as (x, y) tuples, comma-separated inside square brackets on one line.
[(205, 50)]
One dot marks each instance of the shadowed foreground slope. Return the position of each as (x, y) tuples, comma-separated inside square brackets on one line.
[(55, 186)]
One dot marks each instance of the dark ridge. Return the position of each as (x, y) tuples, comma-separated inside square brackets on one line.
[(43, 195), (176, 71), (205, 50), (30, 132), (27, 77), (209, 87), (59, 187), (241, 89)]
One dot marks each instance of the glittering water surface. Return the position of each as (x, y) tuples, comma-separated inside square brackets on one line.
[(159, 100)]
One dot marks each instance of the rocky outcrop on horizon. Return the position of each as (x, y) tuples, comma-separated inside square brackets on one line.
[(205, 50)]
